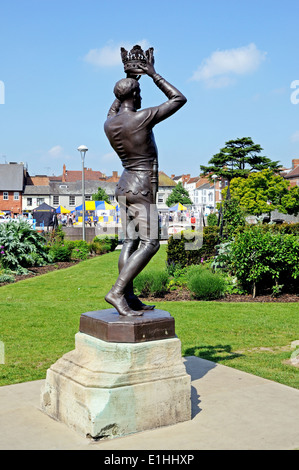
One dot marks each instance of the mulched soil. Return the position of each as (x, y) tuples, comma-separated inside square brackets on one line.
[(184, 295), (177, 295), (39, 270)]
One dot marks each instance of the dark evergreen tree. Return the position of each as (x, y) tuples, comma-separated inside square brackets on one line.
[(238, 159)]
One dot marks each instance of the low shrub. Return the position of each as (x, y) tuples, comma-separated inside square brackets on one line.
[(151, 283), (79, 249), (5, 277), (60, 253), (103, 244), (206, 285)]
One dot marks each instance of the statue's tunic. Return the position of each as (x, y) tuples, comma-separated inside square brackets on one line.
[(131, 136)]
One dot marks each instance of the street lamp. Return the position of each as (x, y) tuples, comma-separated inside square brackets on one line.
[(83, 149), (214, 177)]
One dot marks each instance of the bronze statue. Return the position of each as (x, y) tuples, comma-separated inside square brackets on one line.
[(130, 132)]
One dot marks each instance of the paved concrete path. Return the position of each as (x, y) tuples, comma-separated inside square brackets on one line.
[(231, 410)]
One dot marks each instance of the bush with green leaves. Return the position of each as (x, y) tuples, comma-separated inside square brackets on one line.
[(265, 259), (183, 250), (212, 219), (223, 257), (60, 253), (21, 247), (151, 283), (6, 277), (79, 249), (103, 244), (205, 284)]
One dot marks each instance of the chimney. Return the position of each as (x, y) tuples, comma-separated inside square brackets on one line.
[(172, 176), (115, 174), (63, 179), (295, 162)]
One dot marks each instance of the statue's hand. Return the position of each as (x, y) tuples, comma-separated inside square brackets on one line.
[(149, 68)]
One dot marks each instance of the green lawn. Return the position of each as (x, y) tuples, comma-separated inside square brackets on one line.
[(40, 316)]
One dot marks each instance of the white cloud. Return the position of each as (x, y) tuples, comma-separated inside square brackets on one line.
[(55, 151), (109, 55), (219, 69)]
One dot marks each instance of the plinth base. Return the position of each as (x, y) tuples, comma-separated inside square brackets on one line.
[(108, 325), (104, 389)]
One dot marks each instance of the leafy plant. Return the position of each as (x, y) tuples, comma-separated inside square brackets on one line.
[(212, 219), (185, 251), (21, 247), (60, 253), (223, 257), (151, 283), (265, 258), (104, 244), (206, 285)]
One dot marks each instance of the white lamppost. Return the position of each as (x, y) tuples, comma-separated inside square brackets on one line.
[(83, 149), (214, 177)]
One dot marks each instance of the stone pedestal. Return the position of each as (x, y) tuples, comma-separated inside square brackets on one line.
[(107, 389)]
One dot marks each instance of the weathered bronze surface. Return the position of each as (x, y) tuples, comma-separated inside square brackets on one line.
[(108, 325), (130, 133)]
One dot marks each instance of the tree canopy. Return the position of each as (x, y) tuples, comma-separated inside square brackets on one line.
[(263, 192), (238, 159), (178, 194), (100, 195)]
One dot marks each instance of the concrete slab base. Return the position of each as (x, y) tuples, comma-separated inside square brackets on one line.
[(104, 389)]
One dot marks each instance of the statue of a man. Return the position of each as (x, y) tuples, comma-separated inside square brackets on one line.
[(130, 132)]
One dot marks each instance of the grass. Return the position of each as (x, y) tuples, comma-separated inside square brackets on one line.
[(40, 316)]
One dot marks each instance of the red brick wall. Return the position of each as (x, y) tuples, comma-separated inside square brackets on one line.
[(11, 204)]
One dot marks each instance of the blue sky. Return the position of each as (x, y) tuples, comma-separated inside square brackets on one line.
[(234, 60)]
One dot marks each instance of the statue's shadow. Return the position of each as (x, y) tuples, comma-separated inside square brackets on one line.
[(197, 367)]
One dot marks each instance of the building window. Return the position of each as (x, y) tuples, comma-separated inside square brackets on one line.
[(88, 198), (40, 200), (29, 201), (16, 196), (160, 197), (72, 200), (5, 195), (56, 200)]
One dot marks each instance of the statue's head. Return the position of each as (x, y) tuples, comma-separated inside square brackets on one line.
[(127, 89)]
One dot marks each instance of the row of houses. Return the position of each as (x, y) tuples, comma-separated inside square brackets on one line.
[(20, 192)]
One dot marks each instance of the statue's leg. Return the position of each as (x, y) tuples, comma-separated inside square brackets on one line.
[(133, 258)]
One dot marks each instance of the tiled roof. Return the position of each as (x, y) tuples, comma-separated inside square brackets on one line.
[(165, 180), (293, 173)]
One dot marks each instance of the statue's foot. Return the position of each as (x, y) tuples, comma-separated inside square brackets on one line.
[(136, 303), (119, 302)]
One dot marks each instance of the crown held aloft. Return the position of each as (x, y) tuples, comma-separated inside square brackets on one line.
[(133, 58)]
